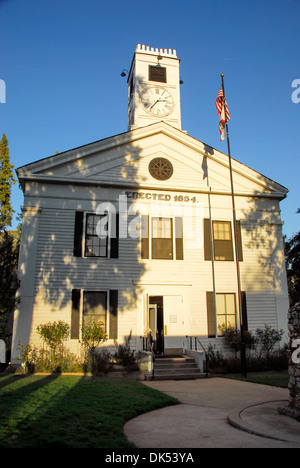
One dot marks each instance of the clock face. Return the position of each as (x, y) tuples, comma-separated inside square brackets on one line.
[(157, 101)]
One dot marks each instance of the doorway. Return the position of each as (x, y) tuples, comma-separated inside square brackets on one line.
[(166, 322), (156, 322)]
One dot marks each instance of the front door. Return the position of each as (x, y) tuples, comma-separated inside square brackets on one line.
[(166, 322), (173, 323)]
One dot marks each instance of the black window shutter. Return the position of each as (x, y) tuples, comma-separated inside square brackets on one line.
[(114, 240), (244, 311), (145, 236), (207, 240), (75, 315), (239, 238), (113, 314), (211, 318), (78, 233), (179, 238)]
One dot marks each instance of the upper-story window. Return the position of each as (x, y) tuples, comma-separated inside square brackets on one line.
[(222, 237), (162, 238), (95, 245), (90, 243), (221, 240), (157, 73)]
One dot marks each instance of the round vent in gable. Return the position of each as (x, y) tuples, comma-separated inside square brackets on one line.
[(161, 168)]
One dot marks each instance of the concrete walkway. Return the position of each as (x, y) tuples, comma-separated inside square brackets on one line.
[(216, 413)]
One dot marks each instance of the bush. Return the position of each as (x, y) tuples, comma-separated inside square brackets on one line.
[(268, 337), (102, 362), (54, 333), (92, 335), (263, 359), (34, 359), (233, 338), (215, 358), (125, 356)]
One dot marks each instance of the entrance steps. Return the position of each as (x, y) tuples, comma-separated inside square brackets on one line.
[(177, 367)]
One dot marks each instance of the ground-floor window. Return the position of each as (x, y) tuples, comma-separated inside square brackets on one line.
[(226, 310), (223, 314), (94, 306)]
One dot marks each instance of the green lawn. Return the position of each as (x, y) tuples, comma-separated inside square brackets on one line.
[(276, 379), (71, 411)]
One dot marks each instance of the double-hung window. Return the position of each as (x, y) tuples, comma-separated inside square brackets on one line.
[(226, 311), (162, 238), (218, 241), (222, 311), (95, 243), (222, 236), (96, 235), (94, 306)]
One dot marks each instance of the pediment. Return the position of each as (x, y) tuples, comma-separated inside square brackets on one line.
[(124, 160)]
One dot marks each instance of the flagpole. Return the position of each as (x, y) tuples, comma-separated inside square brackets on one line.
[(243, 345)]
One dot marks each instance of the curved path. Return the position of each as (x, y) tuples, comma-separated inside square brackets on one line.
[(216, 413)]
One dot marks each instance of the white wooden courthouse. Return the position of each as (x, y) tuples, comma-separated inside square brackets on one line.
[(136, 230)]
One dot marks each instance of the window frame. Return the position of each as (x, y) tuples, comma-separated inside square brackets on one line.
[(177, 237), (107, 246), (93, 291), (223, 244), (111, 312), (209, 245), (161, 227), (227, 322), (212, 312)]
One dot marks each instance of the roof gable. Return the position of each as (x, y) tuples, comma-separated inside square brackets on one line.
[(124, 160)]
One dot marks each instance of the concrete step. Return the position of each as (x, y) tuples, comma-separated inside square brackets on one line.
[(176, 368), (179, 365), (188, 370), (178, 376)]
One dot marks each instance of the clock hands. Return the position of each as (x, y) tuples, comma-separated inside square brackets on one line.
[(158, 100), (154, 104)]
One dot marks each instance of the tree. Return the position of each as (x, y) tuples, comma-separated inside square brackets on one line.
[(9, 283), (292, 254), (9, 245), (6, 181)]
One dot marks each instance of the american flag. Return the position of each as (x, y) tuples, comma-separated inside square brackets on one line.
[(223, 111)]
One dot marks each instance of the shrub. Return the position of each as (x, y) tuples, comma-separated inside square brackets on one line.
[(28, 357), (34, 359), (92, 335), (125, 356), (268, 337), (102, 361), (233, 338), (215, 358), (54, 334)]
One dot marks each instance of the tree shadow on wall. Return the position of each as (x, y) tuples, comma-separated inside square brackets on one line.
[(95, 174)]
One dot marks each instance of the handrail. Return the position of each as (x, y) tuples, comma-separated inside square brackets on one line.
[(205, 352)]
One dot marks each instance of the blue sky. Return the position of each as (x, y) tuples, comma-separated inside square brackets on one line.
[(61, 62)]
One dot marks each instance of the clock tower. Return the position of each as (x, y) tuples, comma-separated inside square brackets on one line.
[(153, 87)]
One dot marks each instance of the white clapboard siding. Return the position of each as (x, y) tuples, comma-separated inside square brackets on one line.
[(81, 179)]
